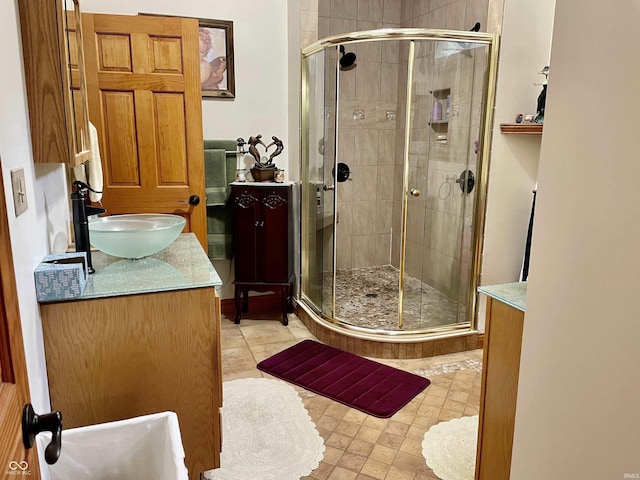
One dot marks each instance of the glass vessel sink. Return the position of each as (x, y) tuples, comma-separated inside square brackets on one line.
[(135, 235)]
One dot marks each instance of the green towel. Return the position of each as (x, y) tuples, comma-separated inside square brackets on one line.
[(220, 171), (215, 177)]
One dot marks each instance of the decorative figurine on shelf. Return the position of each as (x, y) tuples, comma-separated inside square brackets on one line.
[(542, 98), (264, 169), (279, 147), (253, 147)]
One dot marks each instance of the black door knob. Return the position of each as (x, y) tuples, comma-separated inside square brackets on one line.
[(194, 200), (33, 424)]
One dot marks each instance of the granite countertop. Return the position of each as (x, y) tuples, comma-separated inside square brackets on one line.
[(182, 265), (513, 294)]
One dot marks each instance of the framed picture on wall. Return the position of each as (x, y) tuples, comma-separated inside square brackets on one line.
[(217, 73)]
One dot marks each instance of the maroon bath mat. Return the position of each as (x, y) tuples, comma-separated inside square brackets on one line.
[(357, 382)]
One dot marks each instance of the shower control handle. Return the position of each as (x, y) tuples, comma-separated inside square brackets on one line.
[(328, 187), (414, 192)]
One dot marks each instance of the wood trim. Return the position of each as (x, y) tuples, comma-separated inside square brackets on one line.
[(499, 390), (522, 128), (428, 347), (14, 385)]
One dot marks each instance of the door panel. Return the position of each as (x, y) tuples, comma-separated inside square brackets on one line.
[(143, 79), (274, 225), (246, 205), (14, 387), (121, 148)]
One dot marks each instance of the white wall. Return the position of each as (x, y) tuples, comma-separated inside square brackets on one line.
[(43, 228), (578, 410), (524, 51)]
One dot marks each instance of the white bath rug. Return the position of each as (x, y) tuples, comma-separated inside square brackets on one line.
[(450, 448), (267, 433)]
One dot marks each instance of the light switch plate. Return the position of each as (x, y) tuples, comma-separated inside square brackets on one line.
[(19, 191)]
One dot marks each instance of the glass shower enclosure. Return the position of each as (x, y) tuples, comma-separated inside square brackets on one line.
[(393, 176)]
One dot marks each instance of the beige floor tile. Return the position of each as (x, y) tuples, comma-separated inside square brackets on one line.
[(355, 416), (396, 473), (448, 415), (357, 446), (329, 423), (360, 447), (265, 350), (375, 469), (234, 375), (347, 428), (364, 477), (237, 359), (368, 434), (412, 446), (323, 471), (390, 440), (433, 400), (408, 462), (332, 455), (266, 333), (231, 338), (342, 474), (352, 461), (377, 423), (383, 454), (338, 440), (396, 428), (337, 410)]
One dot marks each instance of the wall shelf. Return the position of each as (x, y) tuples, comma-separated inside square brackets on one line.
[(521, 128)]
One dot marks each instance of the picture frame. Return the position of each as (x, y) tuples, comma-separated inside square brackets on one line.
[(217, 70)]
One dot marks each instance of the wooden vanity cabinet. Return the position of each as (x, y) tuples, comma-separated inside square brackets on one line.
[(55, 81), (262, 243), (499, 390), (119, 357)]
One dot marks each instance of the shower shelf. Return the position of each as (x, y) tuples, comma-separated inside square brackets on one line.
[(521, 128)]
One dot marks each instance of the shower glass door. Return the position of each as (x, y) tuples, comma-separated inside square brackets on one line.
[(318, 150), (448, 83)]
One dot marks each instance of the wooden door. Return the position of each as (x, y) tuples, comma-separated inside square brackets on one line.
[(14, 387), (143, 83)]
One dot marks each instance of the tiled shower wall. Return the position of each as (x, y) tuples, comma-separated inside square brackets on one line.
[(367, 135), (371, 140)]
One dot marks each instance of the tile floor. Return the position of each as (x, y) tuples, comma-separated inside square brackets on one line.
[(359, 446)]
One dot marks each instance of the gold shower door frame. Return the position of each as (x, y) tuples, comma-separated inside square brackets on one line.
[(413, 35)]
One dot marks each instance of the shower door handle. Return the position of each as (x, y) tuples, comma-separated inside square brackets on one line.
[(414, 192)]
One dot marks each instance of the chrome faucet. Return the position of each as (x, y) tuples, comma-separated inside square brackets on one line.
[(81, 212)]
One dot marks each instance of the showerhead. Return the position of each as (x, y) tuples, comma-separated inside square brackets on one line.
[(347, 60)]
